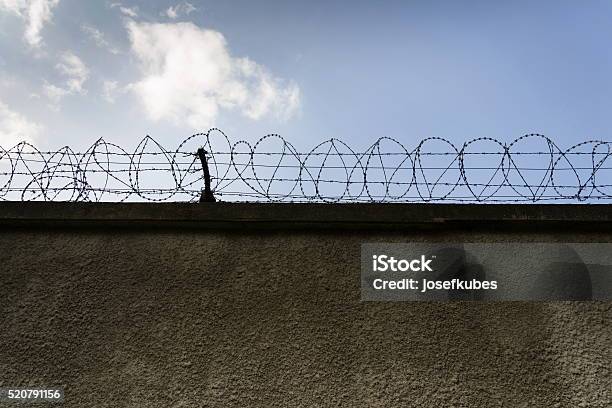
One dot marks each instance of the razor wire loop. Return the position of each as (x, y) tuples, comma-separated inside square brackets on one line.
[(531, 168)]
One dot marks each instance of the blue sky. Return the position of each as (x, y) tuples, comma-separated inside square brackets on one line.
[(73, 71)]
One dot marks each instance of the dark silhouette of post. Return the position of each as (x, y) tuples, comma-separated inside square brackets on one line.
[(207, 195)]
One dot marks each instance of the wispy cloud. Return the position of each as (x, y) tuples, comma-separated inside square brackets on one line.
[(98, 38), (15, 127), (54, 93), (189, 75), (110, 90), (176, 11), (75, 73), (126, 11), (74, 70), (36, 14)]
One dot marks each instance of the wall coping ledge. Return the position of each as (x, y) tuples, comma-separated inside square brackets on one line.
[(306, 215)]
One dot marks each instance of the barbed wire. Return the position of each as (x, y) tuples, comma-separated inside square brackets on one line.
[(531, 168)]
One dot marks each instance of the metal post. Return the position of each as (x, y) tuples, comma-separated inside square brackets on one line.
[(207, 194)]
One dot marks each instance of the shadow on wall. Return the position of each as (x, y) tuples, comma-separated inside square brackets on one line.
[(563, 277)]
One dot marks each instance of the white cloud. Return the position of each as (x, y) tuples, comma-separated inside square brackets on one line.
[(189, 75), (75, 70), (54, 92), (75, 73), (98, 37), (183, 8), (15, 128), (126, 11), (129, 11), (36, 13), (109, 90)]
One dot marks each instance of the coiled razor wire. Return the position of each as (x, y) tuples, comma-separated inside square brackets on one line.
[(532, 168)]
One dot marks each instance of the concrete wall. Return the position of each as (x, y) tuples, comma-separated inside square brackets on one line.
[(230, 305)]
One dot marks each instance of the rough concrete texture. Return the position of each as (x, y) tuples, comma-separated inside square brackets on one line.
[(173, 318)]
